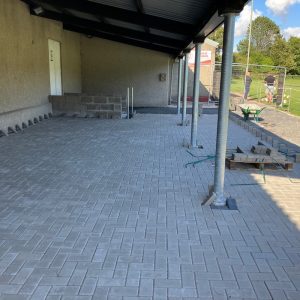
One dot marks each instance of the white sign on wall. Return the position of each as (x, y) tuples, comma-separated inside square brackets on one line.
[(205, 57)]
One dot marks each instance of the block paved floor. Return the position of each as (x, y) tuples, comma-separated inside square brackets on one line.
[(105, 209)]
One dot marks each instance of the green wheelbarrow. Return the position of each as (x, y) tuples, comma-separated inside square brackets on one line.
[(251, 109)]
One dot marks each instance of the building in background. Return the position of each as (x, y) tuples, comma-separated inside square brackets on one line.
[(208, 54)]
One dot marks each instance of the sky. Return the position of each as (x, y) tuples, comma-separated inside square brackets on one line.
[(285, 13)]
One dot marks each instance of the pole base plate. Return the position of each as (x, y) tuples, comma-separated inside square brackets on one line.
[(230, 203), (187, 144), (185, 123)]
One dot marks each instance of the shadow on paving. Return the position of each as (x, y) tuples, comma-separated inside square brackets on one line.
[(171, 110), (105, 209)]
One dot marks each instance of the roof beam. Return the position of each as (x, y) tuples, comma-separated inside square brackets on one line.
[(120, 39), (107, 28), (123, 15), (140, 9), (214, 18), (139, 5)]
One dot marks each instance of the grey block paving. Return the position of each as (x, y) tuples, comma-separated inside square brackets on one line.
[(105, 209)]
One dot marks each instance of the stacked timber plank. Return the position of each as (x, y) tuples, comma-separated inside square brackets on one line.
[(259, 155)]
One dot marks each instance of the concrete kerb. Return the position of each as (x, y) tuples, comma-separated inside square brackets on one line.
[(17, 120)]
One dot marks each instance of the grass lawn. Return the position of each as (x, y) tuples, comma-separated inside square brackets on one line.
[(257, 91)]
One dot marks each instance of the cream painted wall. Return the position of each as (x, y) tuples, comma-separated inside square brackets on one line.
[(110, 67), (71, 62), (93, 66), (24, 70)]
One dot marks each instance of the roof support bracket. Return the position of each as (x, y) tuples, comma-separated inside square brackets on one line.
[(230, 6)]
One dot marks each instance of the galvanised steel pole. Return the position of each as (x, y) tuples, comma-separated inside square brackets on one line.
[(195, 114), (185, 86), (128, 103), (249, 46), (179, 85), (132, 102), (223, 113)]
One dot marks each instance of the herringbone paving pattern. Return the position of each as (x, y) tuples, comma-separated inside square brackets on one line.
[(105, 209)]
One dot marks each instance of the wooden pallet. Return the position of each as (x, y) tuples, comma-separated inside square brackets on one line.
[(260, 156), (234, 165)]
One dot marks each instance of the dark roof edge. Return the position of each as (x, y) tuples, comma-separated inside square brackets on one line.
[(216, 20)]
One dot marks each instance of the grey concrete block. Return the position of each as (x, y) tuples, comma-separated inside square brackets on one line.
[(264, 137), (258, 133), (91, 107), (107, 107), (86, 99), (115, 100), (275, 143), (100, 99), (269, 139), (282, 147), (76, 99), (117, 107)]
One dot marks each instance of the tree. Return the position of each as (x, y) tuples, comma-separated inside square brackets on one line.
[(268, 47), (294, 44), (239, 58), (264, 34), (261, 59), (217, 36), (282, 55), (242, 47), (256, 58)]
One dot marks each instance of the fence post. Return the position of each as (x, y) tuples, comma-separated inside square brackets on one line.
[(289, 107)]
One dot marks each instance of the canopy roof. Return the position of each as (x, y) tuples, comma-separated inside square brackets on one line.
[(163, 25)]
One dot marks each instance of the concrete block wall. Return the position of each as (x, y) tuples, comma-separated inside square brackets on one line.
[(100, 106)]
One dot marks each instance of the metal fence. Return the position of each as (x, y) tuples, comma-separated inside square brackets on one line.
[(286, 95)]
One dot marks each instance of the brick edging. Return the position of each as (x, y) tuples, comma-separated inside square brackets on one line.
[(275, 141)]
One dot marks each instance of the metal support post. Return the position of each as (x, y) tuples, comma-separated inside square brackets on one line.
[(179, 85), (128, 97), (132, 102), (249, 47), (185, 87), (195, 114), (223, 113)]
